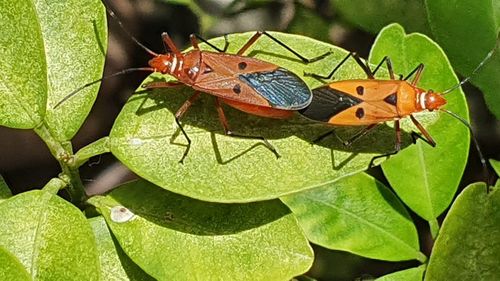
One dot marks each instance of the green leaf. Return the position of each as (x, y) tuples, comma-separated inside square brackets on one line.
[(98, 147), (23, 83), (372, 16), (51, 237), (468, 40), (12, 268), (496, 166), (219, 168), (411, 274), (424, 177), (52, 49), (74, 33), (175, 237), (467, 247), (115, 264), (5, 192), (360, 215)]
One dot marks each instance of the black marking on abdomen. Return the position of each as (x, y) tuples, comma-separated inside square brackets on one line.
[(328, 102), (392, 99)]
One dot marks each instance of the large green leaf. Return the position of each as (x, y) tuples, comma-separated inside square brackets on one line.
[(52, 48), (373, 15), (467, 247), (360, 215), (412, 274), (11, 268), (426, 178), (468, 40), (225, 169), (23, 83), (173, 237), (115, 264), (51, 237)]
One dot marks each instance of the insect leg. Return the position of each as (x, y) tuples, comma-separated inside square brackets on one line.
[(423, 131), (397, 145), (156, 85), (170, 44), (360, 62), (258, 34), (228, 132), (388, 62), (178, 115), (418, 72), (195, 36), (351, 140)]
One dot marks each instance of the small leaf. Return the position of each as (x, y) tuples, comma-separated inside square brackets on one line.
[(5, 192), (424, 177), (411, 274), (23, 83), (219, 168), (467, 247), (496, 166), (175, 237), (360, 215), (115, 264), (98, 147), (51, 237), (12, 268), (468, 40)]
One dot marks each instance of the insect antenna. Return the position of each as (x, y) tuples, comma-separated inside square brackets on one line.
[(481, 64), (125, 71), (474, 139)]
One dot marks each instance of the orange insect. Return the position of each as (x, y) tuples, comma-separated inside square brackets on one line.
[(369, 102), (247, 84)]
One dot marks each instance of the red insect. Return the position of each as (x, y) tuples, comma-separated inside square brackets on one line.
[(247, 84), (369, 102)]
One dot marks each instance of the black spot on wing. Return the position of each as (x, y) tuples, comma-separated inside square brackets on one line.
[(328, 102), (280, 87), (392, 99)]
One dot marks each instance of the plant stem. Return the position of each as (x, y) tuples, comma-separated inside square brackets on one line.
[(64, 155)]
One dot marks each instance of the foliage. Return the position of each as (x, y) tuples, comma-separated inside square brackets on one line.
[(233, 210)]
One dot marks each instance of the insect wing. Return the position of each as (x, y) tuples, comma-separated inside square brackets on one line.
[(251, 81)]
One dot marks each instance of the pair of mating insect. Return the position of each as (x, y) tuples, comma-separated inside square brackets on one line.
[(267, 90)]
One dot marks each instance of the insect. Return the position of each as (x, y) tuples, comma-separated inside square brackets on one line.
[(370, 102), (247, 84)]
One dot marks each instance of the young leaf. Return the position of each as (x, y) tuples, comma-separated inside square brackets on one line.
[(4, 190), (468, 40), (411, 274), (51, 237), (175, 237), (360, 215), (219, 168), (467, 247), (426, 178), (23, 81), (115, 264), (12, 268)]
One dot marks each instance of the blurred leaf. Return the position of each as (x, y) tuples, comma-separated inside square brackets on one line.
[(175, 237), (467, 247), (115, 264), (360, 215), (417, 173), (496, 166), (308, 22), (411, 274), (51, 237), (5, 192), (468, 40), (373, 15), (23, 83), (218, 168), (11, 268)]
